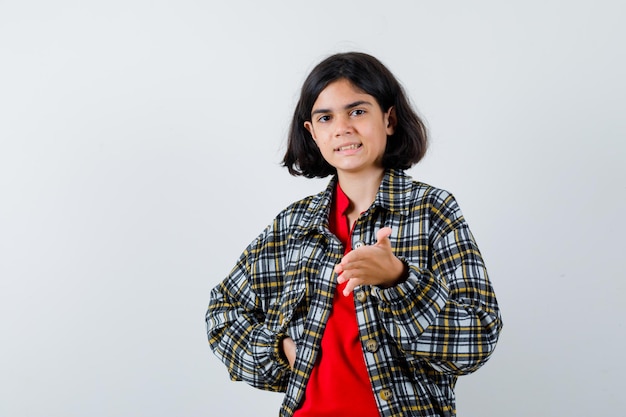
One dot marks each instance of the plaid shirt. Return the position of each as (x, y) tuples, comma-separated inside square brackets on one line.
[(417, 337)]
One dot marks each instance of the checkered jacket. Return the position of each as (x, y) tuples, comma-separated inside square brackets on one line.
[(417, 337)]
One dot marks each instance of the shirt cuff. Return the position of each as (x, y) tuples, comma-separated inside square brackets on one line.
[(278, 354)]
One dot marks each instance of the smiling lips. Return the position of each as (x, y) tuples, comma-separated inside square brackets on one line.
[(348, 147)]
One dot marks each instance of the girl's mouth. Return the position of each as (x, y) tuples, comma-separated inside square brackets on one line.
[(349, 147)]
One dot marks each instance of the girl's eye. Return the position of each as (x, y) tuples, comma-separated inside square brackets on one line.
[(358, 112), (323, 119)]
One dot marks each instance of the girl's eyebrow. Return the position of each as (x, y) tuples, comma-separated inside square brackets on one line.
[(346, 107)]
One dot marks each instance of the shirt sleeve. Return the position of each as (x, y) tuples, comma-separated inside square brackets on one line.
[(235, 323), (447, 313)]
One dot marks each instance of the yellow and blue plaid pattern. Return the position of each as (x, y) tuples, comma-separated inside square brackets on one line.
[(417, 337)]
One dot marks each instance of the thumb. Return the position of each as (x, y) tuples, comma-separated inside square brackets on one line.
[(382, 236)]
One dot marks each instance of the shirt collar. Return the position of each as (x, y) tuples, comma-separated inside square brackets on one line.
[(393, 195)]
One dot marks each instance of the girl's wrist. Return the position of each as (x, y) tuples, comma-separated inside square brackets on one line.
[(401, 273)]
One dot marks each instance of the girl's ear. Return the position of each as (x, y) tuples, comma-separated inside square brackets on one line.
[(390, 121), (309, 126)]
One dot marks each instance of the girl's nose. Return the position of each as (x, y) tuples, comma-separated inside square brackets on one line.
[(343, 126)]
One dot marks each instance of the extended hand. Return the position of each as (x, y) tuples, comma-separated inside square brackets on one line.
[(371, 265)]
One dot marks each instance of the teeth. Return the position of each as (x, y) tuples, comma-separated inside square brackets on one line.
[(345, 148)]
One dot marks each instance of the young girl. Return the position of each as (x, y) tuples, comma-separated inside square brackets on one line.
[(371, 297)]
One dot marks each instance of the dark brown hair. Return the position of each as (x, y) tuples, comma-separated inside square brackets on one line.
[(404, 148)]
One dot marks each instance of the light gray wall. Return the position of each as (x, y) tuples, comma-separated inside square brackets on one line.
[(139, 154)]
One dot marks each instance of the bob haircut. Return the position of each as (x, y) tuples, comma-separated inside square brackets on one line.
[(404, 148)]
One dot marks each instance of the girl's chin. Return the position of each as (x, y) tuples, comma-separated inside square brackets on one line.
[(358, 169)]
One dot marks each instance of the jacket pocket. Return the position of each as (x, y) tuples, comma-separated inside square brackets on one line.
[(290, 303), (292, 313)]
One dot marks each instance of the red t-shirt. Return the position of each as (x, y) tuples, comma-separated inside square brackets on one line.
[(339, 384)]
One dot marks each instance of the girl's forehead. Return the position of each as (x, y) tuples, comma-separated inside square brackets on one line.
[(338, 89), (344, 83)]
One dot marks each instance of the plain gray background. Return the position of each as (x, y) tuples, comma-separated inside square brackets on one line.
[(140, 144)]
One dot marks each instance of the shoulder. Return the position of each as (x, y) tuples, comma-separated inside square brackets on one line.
[(423, 193), (296, 211), (437, 204), (402, 186), (308, 212), (282, 227)]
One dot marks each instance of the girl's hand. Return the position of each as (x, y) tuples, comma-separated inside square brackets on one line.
[(371, 265), (289, 349)]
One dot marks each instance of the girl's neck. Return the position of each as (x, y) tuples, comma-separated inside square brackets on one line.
[(360, 189)]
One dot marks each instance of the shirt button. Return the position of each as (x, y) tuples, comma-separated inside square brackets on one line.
[(361, 296), (359, 244), (385, 394), (371, 345)]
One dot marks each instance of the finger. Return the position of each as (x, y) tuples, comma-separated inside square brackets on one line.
[(382, 236), (357, 255), (350, 286), (349, 261), (347, 266), (345, 275)]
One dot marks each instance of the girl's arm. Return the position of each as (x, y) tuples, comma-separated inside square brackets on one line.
[(236, 330), (447, 314)]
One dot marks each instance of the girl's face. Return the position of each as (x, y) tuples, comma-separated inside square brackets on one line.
[(350, 129)]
